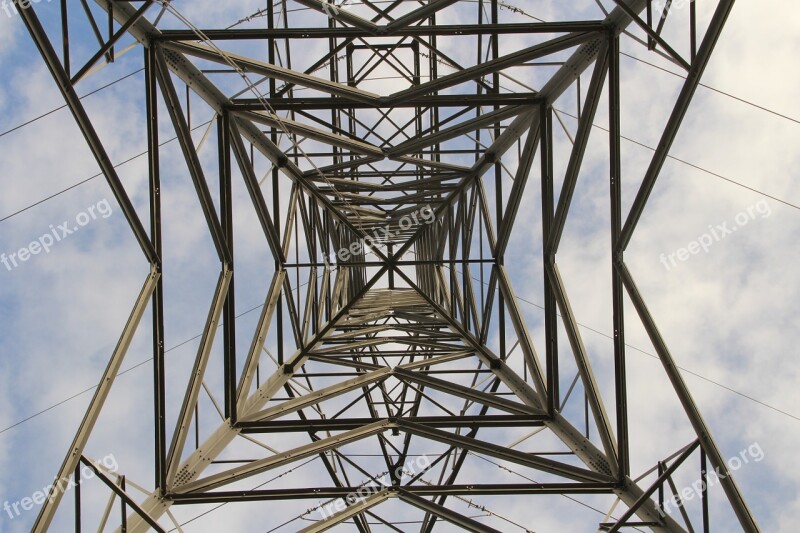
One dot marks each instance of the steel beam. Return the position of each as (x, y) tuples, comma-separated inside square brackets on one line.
[(693, 77), (198, 374), (386, 347), (729, 485), (73, 101), (348, 32), (96, 404)]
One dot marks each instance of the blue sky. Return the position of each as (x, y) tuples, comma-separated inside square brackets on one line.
[(728, 315)]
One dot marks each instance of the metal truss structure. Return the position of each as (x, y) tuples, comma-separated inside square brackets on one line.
[(390, 334)]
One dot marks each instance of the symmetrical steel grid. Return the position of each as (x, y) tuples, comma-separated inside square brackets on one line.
[(382, 203)]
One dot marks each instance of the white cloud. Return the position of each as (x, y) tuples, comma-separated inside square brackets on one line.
[(726, 314)]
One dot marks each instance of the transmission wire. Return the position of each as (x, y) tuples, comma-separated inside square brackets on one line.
[(501, 4), (519, 298)]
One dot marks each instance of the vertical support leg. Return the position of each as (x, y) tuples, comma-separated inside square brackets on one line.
[(618, 303), (159, 385)]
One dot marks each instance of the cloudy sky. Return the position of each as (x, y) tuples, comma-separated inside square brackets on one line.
[(727, 313)]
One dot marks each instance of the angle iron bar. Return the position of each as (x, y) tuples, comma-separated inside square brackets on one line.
[(621, 521), (675, 120), (655, 36), (157, 304), (274, 461), (120, 491), (107, 48), (256, 197), (375, 498), (191, 157), (45, 517), (191, 396), (72, 100), (585, 127), (618, 307), (523, 333), (729, 485), (348, 32), (260, 336), (319, 395), (443, 421), (478, 396), (332, 11), (579, 351), (462, 522)]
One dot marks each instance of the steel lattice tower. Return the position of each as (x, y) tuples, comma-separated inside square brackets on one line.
[(390, 347)]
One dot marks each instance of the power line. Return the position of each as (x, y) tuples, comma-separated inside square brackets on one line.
[(31, 121), (519, 298), (654, 356), (137, 156), (697, 167), (137, 365), (254, 488), (134, 367), (710, 88), (567, 496), (718, 384), (508, 6)]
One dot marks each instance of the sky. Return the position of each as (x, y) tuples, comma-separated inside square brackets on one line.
[(726, 312)]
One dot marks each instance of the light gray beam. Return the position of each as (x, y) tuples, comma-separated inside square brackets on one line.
[(351, 510), (491, 400), (463, 522), (588, 379), (259, 338), (280, 459), (318, 396), (729, 485), (675, 120), (45, 517), (505, 454), (184, 421)]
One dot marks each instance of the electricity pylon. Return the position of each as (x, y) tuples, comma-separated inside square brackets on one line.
[(383, 151)]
